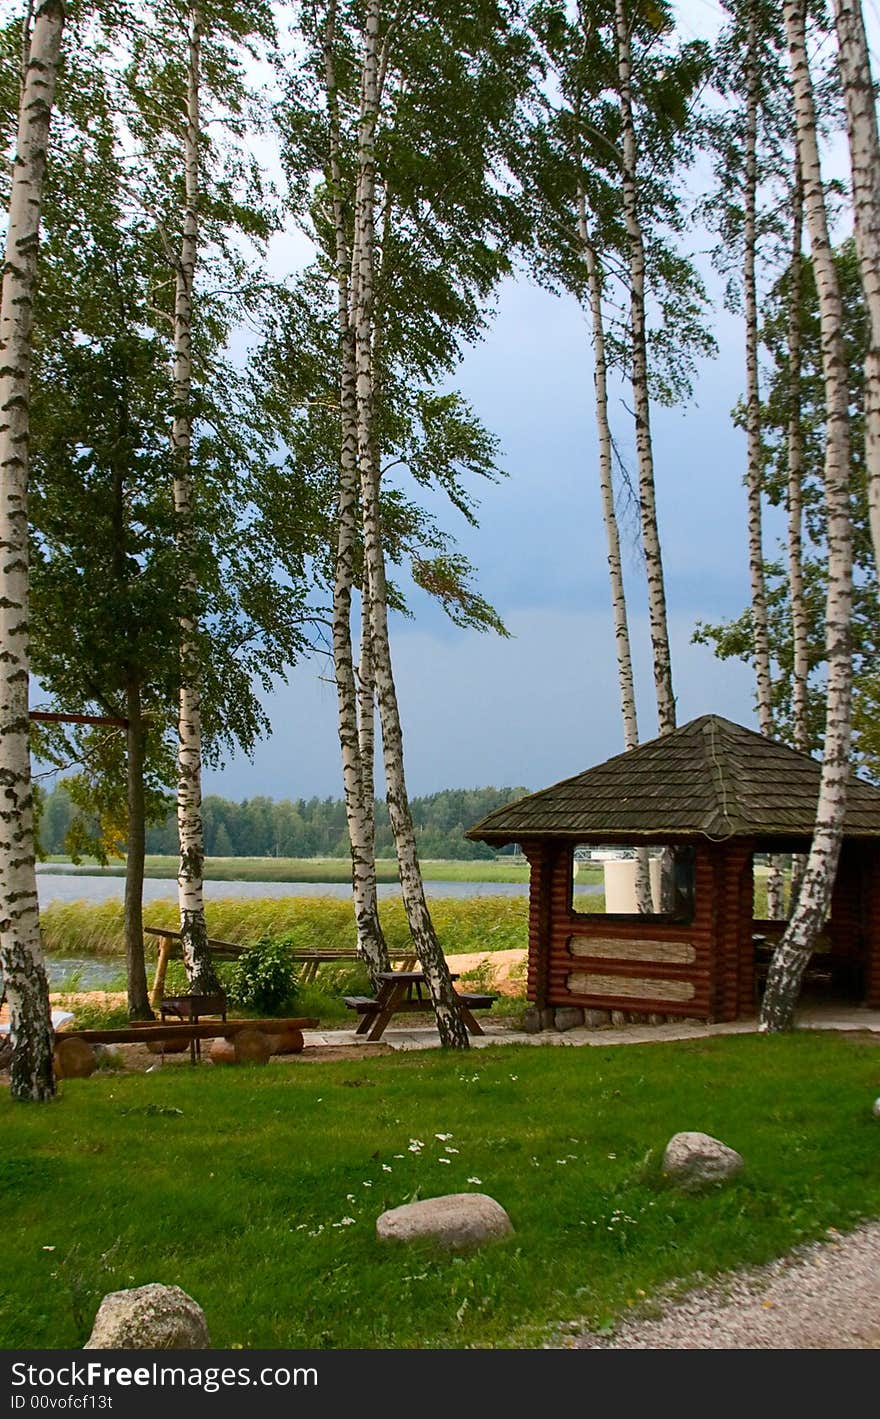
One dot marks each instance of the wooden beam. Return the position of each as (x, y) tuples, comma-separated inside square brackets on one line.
[(47, 717)]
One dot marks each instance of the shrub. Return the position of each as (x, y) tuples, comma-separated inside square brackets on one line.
[(263, 978)]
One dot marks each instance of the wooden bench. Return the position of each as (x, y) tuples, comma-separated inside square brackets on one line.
[(169, 946), (154, 1032), (400, 992)]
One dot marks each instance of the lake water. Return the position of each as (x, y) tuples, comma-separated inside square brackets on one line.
[(78, 887)]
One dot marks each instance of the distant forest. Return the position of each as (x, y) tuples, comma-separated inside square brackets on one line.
[(313, 827)]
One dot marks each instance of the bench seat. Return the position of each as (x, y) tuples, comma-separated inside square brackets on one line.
[(476, 1002), (360, 1003)]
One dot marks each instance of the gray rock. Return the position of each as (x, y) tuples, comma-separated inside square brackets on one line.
[(569, 1017), (593, 1019), (692, 1160), (458, 1221), (531, 1021), (548, 1018), (656, 1019), (618, 1017), (149, 1317), (635, 1017)]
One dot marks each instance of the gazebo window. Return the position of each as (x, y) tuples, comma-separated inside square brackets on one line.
[(655, 882)]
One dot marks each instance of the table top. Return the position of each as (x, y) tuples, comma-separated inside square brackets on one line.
[(406, 977)]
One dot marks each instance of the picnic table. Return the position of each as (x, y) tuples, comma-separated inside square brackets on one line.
[(400, 992)]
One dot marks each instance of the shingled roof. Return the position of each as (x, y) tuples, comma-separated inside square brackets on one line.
[(710, 777)]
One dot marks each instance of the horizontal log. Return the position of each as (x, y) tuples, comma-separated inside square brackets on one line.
[(143, 1032)]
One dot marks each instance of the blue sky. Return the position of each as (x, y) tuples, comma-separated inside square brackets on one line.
[(544, 704)]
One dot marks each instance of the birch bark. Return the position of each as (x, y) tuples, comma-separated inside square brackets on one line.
[(811, 909), (193, 929), (760, 633), (450, 1022), (639, 354), (864, 148), (21, 951), (795, 511), (358, 810), (612, 531)]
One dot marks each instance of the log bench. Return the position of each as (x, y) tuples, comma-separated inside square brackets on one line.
[(250, 1039)]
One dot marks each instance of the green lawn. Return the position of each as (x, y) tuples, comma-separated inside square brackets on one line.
[(257, 1190)]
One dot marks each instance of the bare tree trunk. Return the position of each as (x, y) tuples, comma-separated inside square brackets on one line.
[(193, 928), (612, 532), (641, 398), (864, 148), (358, 809), (21, 950), (138, 994), (450, 1021), (794, 951), (760, 634), (799, 616), (367, 720)]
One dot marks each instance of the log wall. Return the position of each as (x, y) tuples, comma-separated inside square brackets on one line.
[(638, 966)]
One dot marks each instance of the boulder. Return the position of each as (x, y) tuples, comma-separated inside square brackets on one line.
[(74, 1059), (693, 1160), (656, 1019), (594, 1019), (548, 1018), (618, 1018), (149, 1317), (569, 1017), (459, 1221), (167, 1046), (288, 1042), (531, 1021)]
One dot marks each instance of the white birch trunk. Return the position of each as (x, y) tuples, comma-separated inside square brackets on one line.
[(358, 810), (612, 532), (760, 633), (811, 909), (639, 353), (795, 473), (864, 148), (450, 1022), (21, 950), (194, 932)]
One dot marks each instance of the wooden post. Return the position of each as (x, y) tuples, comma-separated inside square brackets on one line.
[(161, 967)]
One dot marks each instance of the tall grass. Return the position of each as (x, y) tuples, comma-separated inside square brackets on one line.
[(464, 924), (310, 869)]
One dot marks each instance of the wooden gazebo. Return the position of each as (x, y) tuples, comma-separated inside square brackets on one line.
[(704, 799)]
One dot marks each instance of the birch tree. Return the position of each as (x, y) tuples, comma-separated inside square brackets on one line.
[(21, 955), (791, 956), (864, 146), (193, 928), (629, 177)]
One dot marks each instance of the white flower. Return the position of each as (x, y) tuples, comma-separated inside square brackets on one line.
[(450, 1150), (345, 1222), (386, 1168), (48, 1248), (447, 1161), (444, 1137), (415, 1147), (400, 1155), (475, 1180), (366, 1184), (349, 1197)]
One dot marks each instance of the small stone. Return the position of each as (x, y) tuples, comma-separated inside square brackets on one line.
[(569, 1017), (692, 1160), (548, 1018), (149, 1317), (531, 1021), (458, 1221), (594, 1019), (635, 1017), (656, 1019), (618, 1018)]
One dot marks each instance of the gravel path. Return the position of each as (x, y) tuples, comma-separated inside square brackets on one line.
[(822, 1297)]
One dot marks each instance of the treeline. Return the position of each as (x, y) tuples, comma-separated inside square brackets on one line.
[(313, 827)]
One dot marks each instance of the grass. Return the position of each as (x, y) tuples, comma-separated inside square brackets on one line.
[(310, 869), (463, 924), (257, 1190)]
